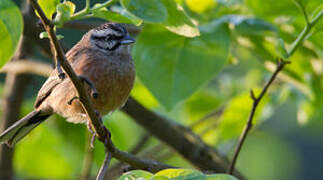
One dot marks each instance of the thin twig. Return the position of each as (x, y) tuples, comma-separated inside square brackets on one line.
[(104, 166), (159, 147), (281, 63), (301, 6), (301, 37), (88, 158), (256, 100), (27, 66), (215, 113), (116, 169), (87, 11), (141, 143)]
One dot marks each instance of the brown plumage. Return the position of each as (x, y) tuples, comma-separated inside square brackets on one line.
[(103, 57)]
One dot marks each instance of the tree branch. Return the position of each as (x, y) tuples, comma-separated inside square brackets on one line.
[(117, 169), (88, 158), (14, 90), (27, 66), (104, 166), (98, 127), (256, 100)]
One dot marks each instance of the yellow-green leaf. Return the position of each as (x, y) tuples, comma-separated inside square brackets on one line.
[(11, 26), (48, 6), (64, 11), (177, 21), (151, 11), (173, 67)]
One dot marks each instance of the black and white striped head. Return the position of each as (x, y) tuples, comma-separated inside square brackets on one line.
[(111, 37)]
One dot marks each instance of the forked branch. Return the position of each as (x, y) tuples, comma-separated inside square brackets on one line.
[(256, 100), (281, 64)]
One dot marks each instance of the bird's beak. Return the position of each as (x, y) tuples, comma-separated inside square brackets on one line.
[(128, 40)]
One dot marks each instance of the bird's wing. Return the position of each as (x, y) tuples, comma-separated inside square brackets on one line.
[(47, 88), (72, 55)]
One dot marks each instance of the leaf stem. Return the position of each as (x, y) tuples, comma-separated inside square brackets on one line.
[(87, 10), (87, 5), (300, 5), (316, 18), (304, 34)]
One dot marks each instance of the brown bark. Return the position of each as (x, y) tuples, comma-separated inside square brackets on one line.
[(14, 90)]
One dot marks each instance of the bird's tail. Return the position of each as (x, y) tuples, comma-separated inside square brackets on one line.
[(22, 127)]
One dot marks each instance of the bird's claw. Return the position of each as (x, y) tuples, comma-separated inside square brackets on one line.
[(71, 100), (60, 72), (89, 127), (94, 92)]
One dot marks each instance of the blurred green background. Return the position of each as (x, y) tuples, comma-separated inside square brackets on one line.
[(287, 141)]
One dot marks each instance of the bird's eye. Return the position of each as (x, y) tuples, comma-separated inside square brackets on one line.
[(112, 37), (98, 37), (108, 38)]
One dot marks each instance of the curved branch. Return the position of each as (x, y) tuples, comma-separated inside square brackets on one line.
[(27, 66)]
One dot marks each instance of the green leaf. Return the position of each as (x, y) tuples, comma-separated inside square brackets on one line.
[(249, 26), (220, 177), (136, 175), (59, 36), (135, 20), (177, 20), (181, 174), (11, 26), (43, 35), (270, 8), (104, 13), (151, 11), (173, 67), (64, 11), (174, 174), (235, 116), (48, 6), (159, 178)]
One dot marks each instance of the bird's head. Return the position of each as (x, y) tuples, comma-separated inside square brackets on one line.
[(112, 38)]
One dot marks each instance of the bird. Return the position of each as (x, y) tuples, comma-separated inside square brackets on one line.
[(103, 57)]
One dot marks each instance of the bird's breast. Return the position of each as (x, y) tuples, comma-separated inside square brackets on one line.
[(114, 81)]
